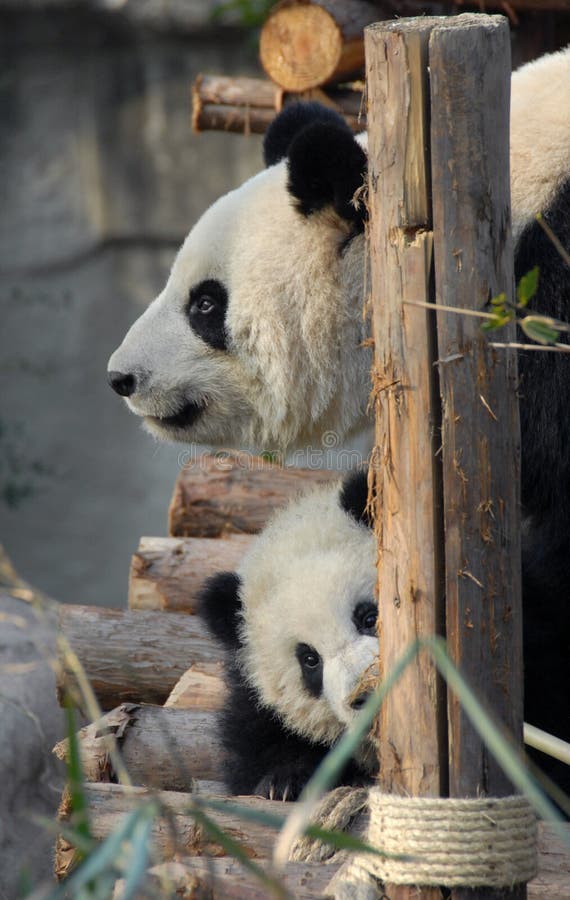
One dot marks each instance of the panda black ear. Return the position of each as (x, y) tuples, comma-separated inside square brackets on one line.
[(219, 605), (327, 166), (354, 497), (290, 122)]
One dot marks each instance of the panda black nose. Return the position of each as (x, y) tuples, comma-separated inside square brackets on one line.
[(125, 385), (359, 701)]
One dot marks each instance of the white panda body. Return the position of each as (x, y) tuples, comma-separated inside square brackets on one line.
[(540, 136)]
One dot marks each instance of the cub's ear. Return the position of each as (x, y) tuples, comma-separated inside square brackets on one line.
[(219, 605), (354, 497), (290, 122)]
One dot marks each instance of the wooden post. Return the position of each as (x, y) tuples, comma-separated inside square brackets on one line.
[(453, 532), (470, 89), (413, 751)]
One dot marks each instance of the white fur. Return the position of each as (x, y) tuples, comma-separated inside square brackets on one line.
[(296, 367), (540, 135), (300, 584)]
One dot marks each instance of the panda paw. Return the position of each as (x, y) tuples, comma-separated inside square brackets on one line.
[(280, 785)]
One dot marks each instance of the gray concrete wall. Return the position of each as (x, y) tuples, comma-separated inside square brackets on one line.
[(100, 179)]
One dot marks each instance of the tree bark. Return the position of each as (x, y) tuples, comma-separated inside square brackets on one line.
[(200, 687), (469, 59), (229, 879), (130, 656), (411, 728), (160, 747), (108, 804), (223, 494), (167, 574)]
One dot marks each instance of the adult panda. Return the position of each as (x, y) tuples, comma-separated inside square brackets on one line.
[(298, 619)]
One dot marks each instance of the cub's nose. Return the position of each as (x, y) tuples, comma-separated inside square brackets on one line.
[(360, 700), (125, 385)]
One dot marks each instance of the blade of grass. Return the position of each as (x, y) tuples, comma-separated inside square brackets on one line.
[(235, 849), (340, 840), (139, 852), (502, 749)]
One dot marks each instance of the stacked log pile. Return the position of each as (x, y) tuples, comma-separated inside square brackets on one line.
[(158, 652), (158, 674)]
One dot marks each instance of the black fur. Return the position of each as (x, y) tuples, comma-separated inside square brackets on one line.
[(354, 497), (206, 312), (290, 122), (219, 606), (264, 757), (327, 166), (545, 439)]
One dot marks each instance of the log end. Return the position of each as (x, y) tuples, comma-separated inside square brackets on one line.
[(300, 47)]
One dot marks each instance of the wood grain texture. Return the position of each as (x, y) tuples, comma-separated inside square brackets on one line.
[(229, 879), (470, 83), (235, 493), (307, 44), (411, 732), (160, 747), (167, 573), (131, 656)]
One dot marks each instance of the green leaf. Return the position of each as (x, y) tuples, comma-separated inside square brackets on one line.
[(75, 779), (499, 318), (540, 329), (500, 300), (526, 288)]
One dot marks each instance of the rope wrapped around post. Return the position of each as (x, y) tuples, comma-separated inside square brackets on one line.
[(476, 842)]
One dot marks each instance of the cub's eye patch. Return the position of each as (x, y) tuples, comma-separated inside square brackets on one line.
[(311, 668), (206, 311), (364, 616)]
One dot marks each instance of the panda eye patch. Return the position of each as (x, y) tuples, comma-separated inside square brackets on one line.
[(311, 668), (364, 616), (206, 311)]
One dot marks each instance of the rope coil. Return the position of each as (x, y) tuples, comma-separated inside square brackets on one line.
[(486, 841)]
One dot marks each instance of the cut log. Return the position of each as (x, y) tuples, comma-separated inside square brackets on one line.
[(227, 878), (201, 687), (249, 105), (235, 493), (160, 747), (108, 803), (167, 573), (307, 44), (130, 656)]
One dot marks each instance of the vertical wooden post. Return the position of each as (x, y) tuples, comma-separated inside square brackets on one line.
[(451, 532), (470, 90), (413, 749)]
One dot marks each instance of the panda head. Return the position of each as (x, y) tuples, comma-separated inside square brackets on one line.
[(256, 337), (300, 613)]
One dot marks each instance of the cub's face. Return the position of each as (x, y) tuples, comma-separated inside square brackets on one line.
[(308, 616), (256, 338)]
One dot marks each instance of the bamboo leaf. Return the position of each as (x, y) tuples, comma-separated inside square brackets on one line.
[(527, 286), (235, 849), (540, 329)]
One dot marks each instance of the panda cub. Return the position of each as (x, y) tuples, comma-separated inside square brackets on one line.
[(298, 620)]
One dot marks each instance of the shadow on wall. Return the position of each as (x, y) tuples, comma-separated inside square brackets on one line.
[(101, 179)]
